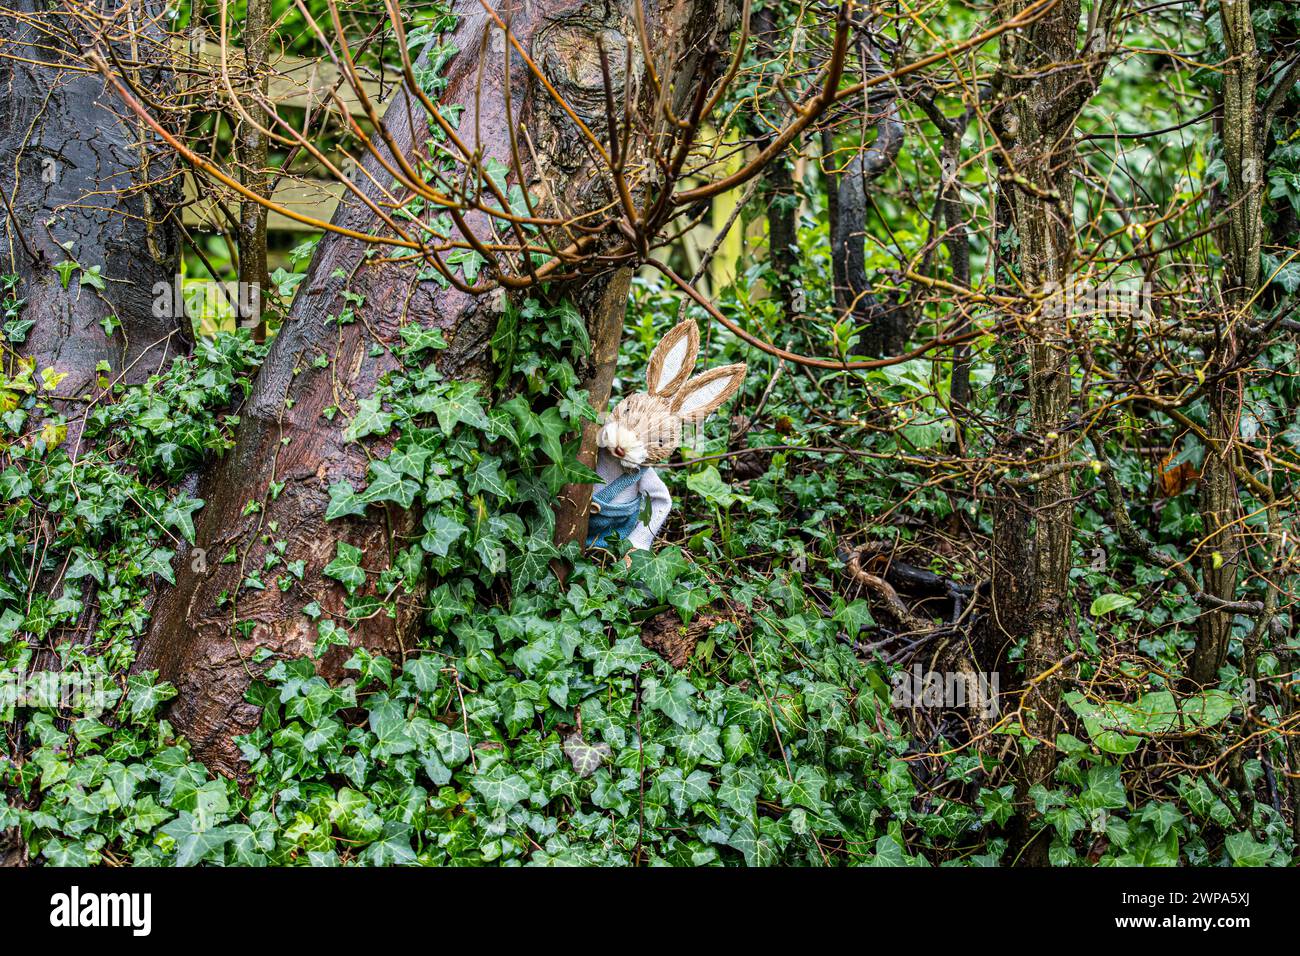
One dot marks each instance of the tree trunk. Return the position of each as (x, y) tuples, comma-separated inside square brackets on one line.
[(86, 190), (1045, 81), (1219, 505), (954, 221), (778, 186), (949, 212), (252, 157), (288, 455), (701, 30), (888, 324), (605, 324)]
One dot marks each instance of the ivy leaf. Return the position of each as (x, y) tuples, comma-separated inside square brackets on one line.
[(346, 567), (70, 853), (1244, 850), (739, 789), (409, 458), (688, 601), (441, 532), (532, 564), (659, 570), (50, 379), (552, 429), (491, 552), (683, 790), (757, 847), (92, 278), (457, 404), (344, 501), (388, 722), (499, 788), (14, 483), (194, 841), (443, 607), (424, 671), (855, 616), (369, 420), (393, 848), (697, 745), (159, 561), (84, 564), (673, 701), (144, 693), (708, 484), (487, 477), (627, 654), (469, 261), (155, 418), (571, 330), (249, 843), (329, 634), (65, 270), (388, 484), (179, 514), (1106, 603), (805, 790), (586, 758), (497, 172), (418, 338), (452, 744), (370, 668), (1163, 817)]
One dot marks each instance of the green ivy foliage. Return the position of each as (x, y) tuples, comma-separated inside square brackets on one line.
[(533, 727)]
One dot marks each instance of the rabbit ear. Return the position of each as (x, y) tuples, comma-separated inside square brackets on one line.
[(702, 395), (673, 358)]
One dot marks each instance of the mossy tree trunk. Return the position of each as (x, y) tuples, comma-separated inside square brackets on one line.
[(1220, 552), (1045, 80)]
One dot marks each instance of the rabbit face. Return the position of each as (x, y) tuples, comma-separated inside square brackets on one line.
[(623, 443), (641, 430)]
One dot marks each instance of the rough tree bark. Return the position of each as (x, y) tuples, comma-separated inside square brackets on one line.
[(1219, 505), (284, 438), (1045, 81), (78, 170)]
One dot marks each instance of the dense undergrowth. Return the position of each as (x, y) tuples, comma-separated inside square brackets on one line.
[(533, 726)]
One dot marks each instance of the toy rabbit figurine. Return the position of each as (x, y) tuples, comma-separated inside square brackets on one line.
[(646, 427)]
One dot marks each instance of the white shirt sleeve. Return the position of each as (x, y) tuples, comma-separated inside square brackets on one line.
[(661, 503)]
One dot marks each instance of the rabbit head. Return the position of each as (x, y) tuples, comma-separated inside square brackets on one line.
[(646, 427)]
